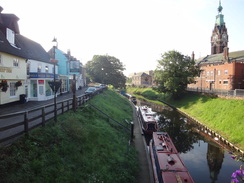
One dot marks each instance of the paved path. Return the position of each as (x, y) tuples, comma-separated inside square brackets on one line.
[(145, 172), (17, 106)]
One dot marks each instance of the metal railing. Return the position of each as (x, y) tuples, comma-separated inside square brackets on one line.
[(222, 92)]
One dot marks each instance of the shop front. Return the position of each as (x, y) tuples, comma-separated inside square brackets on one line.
[(39, 88)]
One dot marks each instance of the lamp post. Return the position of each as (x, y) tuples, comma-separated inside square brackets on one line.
[(54, 79)]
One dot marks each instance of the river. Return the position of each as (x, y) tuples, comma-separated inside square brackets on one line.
[(206, 159)]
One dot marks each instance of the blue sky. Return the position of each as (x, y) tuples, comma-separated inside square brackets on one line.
[(136, 32)]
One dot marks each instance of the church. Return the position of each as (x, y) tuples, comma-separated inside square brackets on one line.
[(222, 70)]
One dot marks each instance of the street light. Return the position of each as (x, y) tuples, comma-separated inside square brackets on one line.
[(54, 85)]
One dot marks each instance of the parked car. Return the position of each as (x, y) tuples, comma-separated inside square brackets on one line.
[(90, 90)]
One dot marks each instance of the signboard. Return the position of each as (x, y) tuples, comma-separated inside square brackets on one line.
[(74, 66), (40, 81), (55, 85), (42, 75)]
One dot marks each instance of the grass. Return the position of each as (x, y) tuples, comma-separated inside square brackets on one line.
[(82, 147), (225, 116)]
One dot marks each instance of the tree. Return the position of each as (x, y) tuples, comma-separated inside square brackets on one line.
[(174, 72), (107, 70)]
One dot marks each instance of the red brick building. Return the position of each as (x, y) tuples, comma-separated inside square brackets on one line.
[(221, 69)]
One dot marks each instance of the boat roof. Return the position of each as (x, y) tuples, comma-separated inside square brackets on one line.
[(172, 168)]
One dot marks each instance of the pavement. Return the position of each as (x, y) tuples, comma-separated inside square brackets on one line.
[(17, 106), (145, 172)]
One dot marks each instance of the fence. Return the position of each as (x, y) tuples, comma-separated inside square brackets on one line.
[(14, 125), (221, 92)]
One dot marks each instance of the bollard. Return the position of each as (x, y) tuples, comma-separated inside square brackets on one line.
[(132, 131)]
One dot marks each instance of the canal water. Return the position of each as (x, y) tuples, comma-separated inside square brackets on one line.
[(205, 158)]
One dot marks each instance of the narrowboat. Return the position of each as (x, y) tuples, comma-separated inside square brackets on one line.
[(167, 165), (147, 119)]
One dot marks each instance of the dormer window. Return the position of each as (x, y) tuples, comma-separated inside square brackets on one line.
[(10, 36)]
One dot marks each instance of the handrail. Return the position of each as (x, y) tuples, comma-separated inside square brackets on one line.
[(109, 117)]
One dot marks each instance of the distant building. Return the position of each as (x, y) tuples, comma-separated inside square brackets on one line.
[(222, 69), (68, 66), (141, 79)]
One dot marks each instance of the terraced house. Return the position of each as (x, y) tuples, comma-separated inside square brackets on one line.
[(222, 70)]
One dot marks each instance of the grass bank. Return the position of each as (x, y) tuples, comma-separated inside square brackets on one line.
[(224, 116), (82, 147)]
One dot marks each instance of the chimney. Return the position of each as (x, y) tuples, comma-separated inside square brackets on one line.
[(193, 56), (226, 53), (1, 9)]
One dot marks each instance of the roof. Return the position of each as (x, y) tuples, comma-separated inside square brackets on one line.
[(32, 49), (6, 47), (140, 74), (237, 56)]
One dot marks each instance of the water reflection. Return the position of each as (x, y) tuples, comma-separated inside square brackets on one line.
[(205, 159)]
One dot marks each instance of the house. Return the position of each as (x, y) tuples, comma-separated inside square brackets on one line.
[(222, 70), (12, 60), (141, 79), (25, 66), (39, 71), (68, 67)]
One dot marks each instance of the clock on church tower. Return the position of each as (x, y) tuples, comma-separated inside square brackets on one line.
[(219, 38)]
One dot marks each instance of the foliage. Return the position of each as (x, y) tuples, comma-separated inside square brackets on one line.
[(174, 72), (82, 147), (4, 85), (107, 70), (18, 84)]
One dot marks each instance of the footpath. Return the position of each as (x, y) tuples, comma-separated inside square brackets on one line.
[(17, 106), (145, 172)]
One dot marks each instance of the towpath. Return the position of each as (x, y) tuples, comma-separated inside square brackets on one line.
[(145, 172)]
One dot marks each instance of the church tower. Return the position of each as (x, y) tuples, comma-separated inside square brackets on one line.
[(219, 38)]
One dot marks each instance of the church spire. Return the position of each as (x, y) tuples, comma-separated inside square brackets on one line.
[(220, 17), (219, 38), (220, 7)]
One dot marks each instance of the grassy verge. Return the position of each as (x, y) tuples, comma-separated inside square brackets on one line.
[(82, 147), (224, 116)]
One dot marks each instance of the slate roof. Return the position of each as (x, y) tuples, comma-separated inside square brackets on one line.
[(237, 56), (32, 49), (6, 47), (24, 47)]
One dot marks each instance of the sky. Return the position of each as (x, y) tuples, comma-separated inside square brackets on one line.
[(137, 32)]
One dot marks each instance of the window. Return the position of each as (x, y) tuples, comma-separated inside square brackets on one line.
[(16, 62), (1, 60), (219, 72), (10, 36), (226, 72), (39, 68), (211, 73), (12, 89), (225, 82), (46, 68), (208, 73)]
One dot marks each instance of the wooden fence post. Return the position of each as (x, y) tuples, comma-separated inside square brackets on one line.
[(62, 107), (26, 126), (132, 131), (43, 116)]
